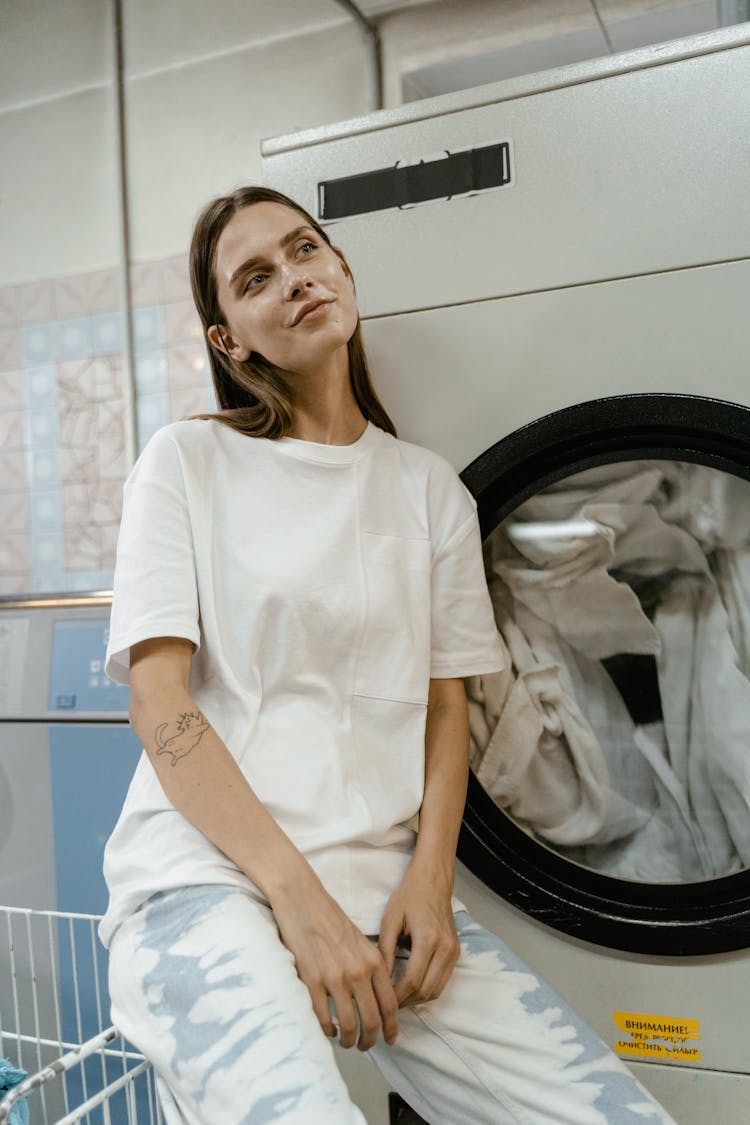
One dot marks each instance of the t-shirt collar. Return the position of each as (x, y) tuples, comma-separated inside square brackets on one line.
[(330, 454)]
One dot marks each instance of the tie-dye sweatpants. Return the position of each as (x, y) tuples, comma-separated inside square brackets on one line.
[(202, 984)]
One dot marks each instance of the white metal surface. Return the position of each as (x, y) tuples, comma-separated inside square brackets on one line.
[(27, 875), (592, 141), (54, 1024), (624, 152), (617, 262), (459, 378)]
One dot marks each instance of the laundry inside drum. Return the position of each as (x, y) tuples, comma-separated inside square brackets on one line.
[(618, 732)]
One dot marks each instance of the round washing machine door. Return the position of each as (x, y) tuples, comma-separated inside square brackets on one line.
[(609, 793)]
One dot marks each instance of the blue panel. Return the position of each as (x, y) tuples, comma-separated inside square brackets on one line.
[(90, 770), (77, 679), (107, 337), (38, 344), (147, 327), (73, 337), (44, 468)]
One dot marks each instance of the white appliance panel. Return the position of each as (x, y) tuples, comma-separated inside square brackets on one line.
[(598, 981), (612, 177), (457, 379), (27, 875), (697, 1096)]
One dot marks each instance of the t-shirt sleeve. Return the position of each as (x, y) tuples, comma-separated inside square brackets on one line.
[(155, 590), (464, 638)]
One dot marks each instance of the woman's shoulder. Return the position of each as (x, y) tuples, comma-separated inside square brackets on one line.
[(186, 432), (437, 488), (194, 437), (187, 447), (424, 462)]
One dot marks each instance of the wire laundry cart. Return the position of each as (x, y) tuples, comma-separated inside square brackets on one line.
[(54, 1024)]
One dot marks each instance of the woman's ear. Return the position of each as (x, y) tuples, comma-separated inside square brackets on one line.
[(223, 341)]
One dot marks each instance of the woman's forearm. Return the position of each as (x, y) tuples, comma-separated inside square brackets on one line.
[(204, 782), (446, 777)]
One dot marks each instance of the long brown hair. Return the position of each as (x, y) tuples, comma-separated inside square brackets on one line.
[(253, 396)]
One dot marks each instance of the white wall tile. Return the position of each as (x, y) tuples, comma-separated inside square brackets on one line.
[(173, 32), (14, 515), (48, 49), (14, 554), (9, 306), (12, 431), (11, 390), (217, 112), (59, 181)]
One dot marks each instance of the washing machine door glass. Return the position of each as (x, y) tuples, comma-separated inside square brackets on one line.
[(610, 783), (618, 733)]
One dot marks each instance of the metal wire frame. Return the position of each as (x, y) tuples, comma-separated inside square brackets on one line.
[(52, 1019)]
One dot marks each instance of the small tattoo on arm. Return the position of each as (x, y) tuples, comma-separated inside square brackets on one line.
[(191, 726)]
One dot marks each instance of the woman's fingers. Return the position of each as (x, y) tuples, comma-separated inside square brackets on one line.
[(363, 1008), (369, 1018), (428, 969), (391, 928), (385, 995), (439, 972), (322, 1010), (346, 1016), (343, 971), (363, 1000), (416, 967)]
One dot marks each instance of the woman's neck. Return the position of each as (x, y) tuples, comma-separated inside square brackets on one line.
[(343, 427), (325, 409)]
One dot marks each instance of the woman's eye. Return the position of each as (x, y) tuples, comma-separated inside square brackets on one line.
[(306, 247), (254, 281)]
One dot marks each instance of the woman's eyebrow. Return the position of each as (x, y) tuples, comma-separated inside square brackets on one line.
[(256, 260)]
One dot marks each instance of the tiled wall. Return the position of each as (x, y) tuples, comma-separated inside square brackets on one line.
[(63, 455)]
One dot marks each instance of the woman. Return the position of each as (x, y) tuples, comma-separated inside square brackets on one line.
[(297, 598)]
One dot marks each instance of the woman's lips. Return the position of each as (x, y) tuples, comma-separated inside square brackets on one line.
[(311, 311)]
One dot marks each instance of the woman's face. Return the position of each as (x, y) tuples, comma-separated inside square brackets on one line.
[(284, 292)]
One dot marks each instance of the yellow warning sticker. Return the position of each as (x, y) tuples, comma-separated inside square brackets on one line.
[(657, 1037)]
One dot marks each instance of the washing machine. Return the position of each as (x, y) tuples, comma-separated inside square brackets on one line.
[(553, 274), (67, 752), (67, 755)]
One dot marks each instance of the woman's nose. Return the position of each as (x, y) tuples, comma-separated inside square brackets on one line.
[(295, 280)]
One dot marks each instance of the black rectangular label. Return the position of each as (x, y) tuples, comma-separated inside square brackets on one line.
[(459, 173)]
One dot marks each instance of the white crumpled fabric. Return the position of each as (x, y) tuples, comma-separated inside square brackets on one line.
[(536, 752), (706, 703), (563, 573), (709, 504), (552, 740)]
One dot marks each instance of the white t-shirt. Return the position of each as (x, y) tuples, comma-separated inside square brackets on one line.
[(323, 586)]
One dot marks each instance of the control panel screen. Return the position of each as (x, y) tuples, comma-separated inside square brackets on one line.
[(77, 678)]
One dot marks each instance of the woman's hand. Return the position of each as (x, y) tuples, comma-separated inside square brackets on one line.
[(335, 960), (421, 909)]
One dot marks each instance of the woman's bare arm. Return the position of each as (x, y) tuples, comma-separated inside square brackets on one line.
[(421, 906), (446, 777), (204, 782)]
